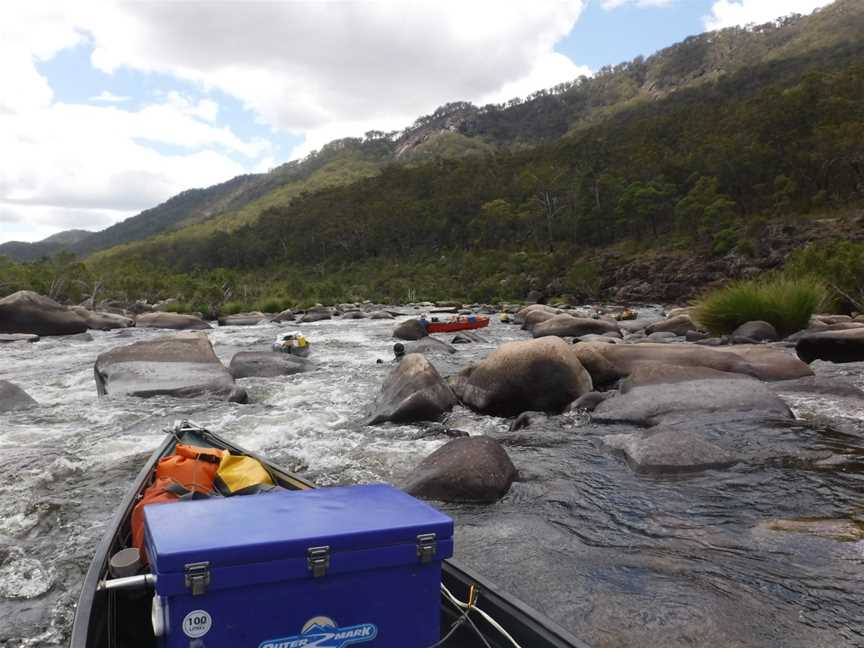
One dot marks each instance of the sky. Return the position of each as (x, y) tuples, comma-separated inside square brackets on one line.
[(108, 108)]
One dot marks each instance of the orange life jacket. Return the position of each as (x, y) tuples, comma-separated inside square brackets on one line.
[(189, 470)]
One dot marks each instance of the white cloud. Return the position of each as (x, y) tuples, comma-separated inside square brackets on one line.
[(729, 13), (609, 5), (321, 69), (108, 97)]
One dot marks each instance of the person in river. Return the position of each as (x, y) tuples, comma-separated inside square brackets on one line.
[(398, 353)]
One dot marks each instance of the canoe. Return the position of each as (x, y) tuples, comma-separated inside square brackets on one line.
[(121, 619), (458, 325)]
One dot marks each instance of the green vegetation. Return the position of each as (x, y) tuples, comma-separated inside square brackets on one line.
[(786, 303), (840, 264)]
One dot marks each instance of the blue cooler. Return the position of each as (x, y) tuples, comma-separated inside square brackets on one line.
[(330, 567)]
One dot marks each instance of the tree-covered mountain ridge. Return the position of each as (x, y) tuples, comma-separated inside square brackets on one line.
[(459, 129)]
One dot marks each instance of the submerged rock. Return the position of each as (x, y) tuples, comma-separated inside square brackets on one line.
[(411, 329), (536, 375), (173, 321), (669, 451), (267, 364), (469, 469), (833, 346), (182, 365), (29, 312), (413, 391), (13, 398)]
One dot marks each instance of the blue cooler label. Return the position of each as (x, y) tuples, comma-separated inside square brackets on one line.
[(322, 632)]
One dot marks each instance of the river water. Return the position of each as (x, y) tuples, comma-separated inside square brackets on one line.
[(619, 558)]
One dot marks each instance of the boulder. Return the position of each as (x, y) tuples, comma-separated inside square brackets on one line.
[(661, 336), (413, 391), (535, 317), (590, 401), (18, 337), (182, 365), (28, 312), (102, 321), (13, 398), (380, 315), (174, 321), (527, 419), (286, 315), (242, 319), (833, 346), (569, 326), (609, 362), (654, 373), (679, 325), (411, 329), (536, 375), (315, 316), (428, 345), (669, 451), (650, 405), (756, 330), (696, 336), (819, 385), (467, 337), (468, 469), (354, 314), (267, 364)]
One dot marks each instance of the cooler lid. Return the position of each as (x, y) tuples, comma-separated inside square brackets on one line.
[(285, 524)]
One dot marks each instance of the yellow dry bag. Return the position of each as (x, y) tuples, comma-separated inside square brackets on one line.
[(241, 475)]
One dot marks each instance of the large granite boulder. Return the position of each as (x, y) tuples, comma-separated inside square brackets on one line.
[(651, 405), (411, 329), (833, 346), (413, 391), (679, 325), (182, 365), (535, 317), (468, 469), (536, 375), (569, 326), (286, 315), (243, 319), (13, 398), (29, 312), (103, 321), (173, 321), (267, 364), (669, 451)]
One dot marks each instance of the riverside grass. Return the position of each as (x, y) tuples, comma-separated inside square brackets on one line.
[(786, 303)]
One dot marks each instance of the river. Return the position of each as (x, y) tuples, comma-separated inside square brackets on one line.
[(619, 558)]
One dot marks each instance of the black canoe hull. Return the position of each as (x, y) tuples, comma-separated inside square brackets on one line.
[(97, 611)]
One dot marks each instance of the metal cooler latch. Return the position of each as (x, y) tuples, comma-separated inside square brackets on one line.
[(197, 577), (426, 547), (318, 560)]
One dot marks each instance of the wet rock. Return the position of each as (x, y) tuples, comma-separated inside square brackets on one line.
[(841, 529), (380, 315), (472, 469), (315, 316), (654, 373), (103, 321), (267, 364), (413, 391), (411, 329), (833, 346), (28, 312), (669, 451), (80, 337), (242, 319), (467, 337), (354, 315), (527, 419), (757, 330), (679, 325), (286, 315), (182, 365), (569, 326), (18, 337), (540, 375), (173, 321), (429, 345), (591, 400), (13, 398), (650, 405), (818, 385)]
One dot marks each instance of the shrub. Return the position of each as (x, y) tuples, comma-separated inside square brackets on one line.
[(785, 303)]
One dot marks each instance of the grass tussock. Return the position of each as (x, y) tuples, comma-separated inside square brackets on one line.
[(786, 303)]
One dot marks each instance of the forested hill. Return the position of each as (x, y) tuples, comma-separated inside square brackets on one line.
[(461, 129)]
